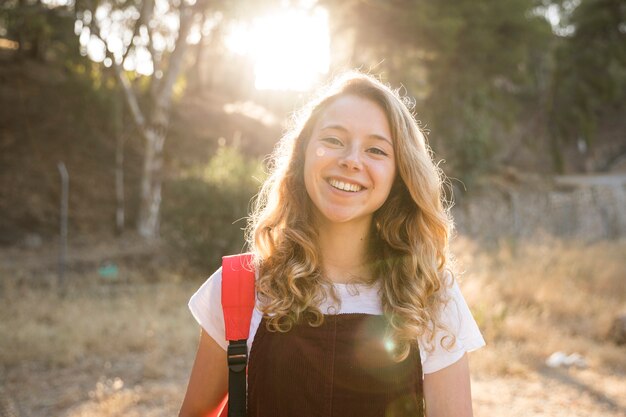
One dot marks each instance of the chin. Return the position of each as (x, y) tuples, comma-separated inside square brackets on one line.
[(343, 217)]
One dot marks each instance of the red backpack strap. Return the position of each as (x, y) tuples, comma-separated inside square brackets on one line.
[(237, 295), (238, 299)]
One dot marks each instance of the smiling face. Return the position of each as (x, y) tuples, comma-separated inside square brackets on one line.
[(349, 165)]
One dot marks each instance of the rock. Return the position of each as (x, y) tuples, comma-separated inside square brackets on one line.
[(558, 359), (617, 332)]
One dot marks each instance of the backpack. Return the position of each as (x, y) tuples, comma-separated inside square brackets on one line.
[(238, 299)]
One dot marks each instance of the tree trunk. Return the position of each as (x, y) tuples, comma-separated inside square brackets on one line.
[(155, 133), (151, 180), (119, 184)]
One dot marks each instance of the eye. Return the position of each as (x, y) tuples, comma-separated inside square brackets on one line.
[(377, 151), (332, 140)]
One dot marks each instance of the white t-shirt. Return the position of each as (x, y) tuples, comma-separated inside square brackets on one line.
[(206, 307)]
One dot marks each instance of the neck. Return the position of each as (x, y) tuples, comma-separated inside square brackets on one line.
[(344, 250)]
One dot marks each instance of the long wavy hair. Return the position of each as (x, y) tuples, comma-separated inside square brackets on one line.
[(408, 245)]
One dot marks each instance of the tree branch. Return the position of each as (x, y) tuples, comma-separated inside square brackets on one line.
[(132, 38), (129, 93), (176, 58)]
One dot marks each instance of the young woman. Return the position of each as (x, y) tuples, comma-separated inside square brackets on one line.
[(357, 311)]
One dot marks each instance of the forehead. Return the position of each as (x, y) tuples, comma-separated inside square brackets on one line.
[(355, 113)]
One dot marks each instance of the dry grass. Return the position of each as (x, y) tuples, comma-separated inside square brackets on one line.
[(532, 299), (103, 321)]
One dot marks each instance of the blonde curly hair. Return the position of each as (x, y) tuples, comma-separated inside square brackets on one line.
[(409, 237)]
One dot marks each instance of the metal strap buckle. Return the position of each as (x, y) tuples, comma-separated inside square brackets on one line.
[(237, 354)]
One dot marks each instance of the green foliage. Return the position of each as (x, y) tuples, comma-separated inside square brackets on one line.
[(99, 97), (204, 211), (590, 72), (469, 137), (42, 32), (478, 76), (230, 168)]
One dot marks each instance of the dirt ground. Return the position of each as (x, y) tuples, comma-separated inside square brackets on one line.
[(97, 388)]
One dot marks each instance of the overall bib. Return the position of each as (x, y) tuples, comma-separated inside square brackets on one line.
[(339, 369)]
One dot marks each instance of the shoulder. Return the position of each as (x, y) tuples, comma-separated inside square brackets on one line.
[(457, 322), (210, 292), (206, 307)]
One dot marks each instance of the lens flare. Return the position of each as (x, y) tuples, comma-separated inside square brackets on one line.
[(390, 346)]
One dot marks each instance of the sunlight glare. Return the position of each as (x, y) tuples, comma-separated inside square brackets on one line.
[(390, 346), (290, 48)]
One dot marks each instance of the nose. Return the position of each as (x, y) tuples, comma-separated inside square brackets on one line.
[(351, 159)]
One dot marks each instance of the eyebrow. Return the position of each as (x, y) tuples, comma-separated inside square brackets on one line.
[(342, 128)]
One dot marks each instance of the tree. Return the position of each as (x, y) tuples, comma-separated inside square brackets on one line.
[(590, 72), (153, 31), (129, 30)]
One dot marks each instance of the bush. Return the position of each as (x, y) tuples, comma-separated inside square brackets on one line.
[(205, 210)]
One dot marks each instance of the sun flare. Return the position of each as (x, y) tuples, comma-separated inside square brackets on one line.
[(290, 48)]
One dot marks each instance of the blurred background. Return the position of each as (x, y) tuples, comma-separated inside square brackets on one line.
[(134, 136)]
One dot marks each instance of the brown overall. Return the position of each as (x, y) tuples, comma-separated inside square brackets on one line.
[(339, 369)]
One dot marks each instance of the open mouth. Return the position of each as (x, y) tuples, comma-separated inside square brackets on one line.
[(345, 186)]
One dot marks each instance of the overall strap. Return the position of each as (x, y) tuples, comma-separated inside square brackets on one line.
[(238, 299)]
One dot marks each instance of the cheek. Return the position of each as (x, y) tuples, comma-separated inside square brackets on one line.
[(386, 176), (308, 184), (314, 159), (309, 172)]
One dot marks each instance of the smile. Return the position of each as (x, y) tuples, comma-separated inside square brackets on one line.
[(344, 186)]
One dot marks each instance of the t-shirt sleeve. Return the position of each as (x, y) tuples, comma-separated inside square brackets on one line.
[(458, 319), (206, 307)]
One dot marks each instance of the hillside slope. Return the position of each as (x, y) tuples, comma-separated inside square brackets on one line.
[(49, 115)]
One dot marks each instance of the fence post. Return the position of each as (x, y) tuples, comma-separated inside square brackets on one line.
[(65, 182)]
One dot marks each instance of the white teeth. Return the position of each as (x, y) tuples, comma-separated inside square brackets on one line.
[(345, 186)]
